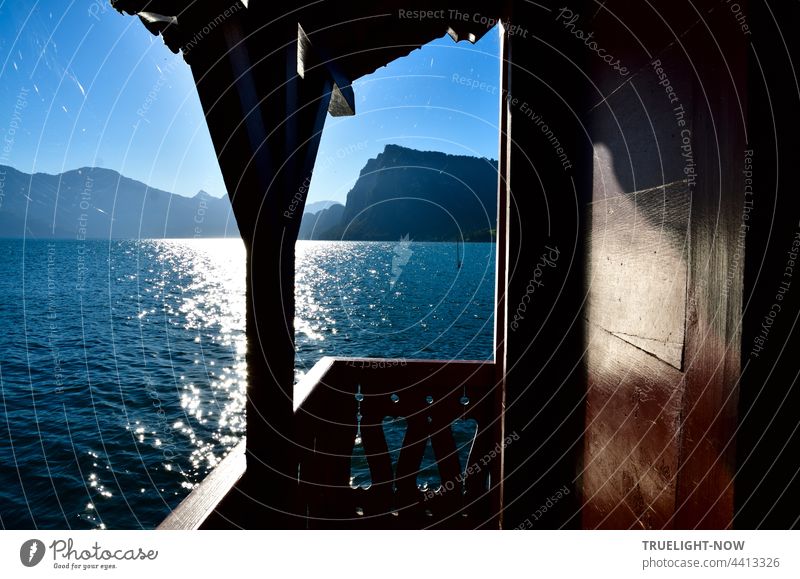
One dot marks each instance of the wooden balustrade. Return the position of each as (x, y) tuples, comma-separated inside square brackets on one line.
[(345, 399), (341, 398)]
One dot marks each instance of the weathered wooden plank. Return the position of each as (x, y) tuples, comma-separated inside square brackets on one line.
[(637, 268), (713, 335), (632, 434), (306, 385), (636, 281), (201, 502), (675, 128)]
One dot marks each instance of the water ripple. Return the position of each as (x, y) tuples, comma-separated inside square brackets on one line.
[(122, 373)]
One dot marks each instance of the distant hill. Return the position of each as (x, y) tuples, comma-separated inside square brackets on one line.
[(429, 196), (100, 203), (426, 195), (316, 224), (318, 206)]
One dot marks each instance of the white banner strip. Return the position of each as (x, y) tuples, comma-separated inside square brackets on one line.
[(388, 554)]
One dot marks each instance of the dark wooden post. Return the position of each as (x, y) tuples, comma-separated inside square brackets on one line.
[(716, 61), (646, 221), (664, 281), (265, 121), (768, 439), (541, 158)]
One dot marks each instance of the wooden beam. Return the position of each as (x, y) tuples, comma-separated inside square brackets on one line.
[(768, 437), (343, 101), (542, 335), (201, 503), (705, 490), (265, 122)]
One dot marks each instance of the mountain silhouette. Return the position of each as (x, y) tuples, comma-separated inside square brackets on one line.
[(427, 195), (421, 195), (96, 203)]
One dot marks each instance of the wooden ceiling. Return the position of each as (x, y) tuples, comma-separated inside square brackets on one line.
[(350, 38)]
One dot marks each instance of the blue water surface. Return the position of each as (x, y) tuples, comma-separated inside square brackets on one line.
[(122, 375)]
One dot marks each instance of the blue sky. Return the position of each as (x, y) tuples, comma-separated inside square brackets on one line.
[(431, 99), (82, 85)]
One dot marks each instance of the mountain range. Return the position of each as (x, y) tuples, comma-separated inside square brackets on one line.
[(96, 203), (421, 195)]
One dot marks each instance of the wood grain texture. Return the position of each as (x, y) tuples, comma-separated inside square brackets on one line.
[(637, 246), (663, 281), (637, 269), (632, 432), (634, 32), (202, 501), (713, 363)]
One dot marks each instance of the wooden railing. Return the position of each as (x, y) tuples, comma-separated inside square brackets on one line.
[(343, 403), (194, 511), (344, 399)]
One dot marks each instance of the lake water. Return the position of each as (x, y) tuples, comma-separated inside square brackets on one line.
[(122, 362)]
